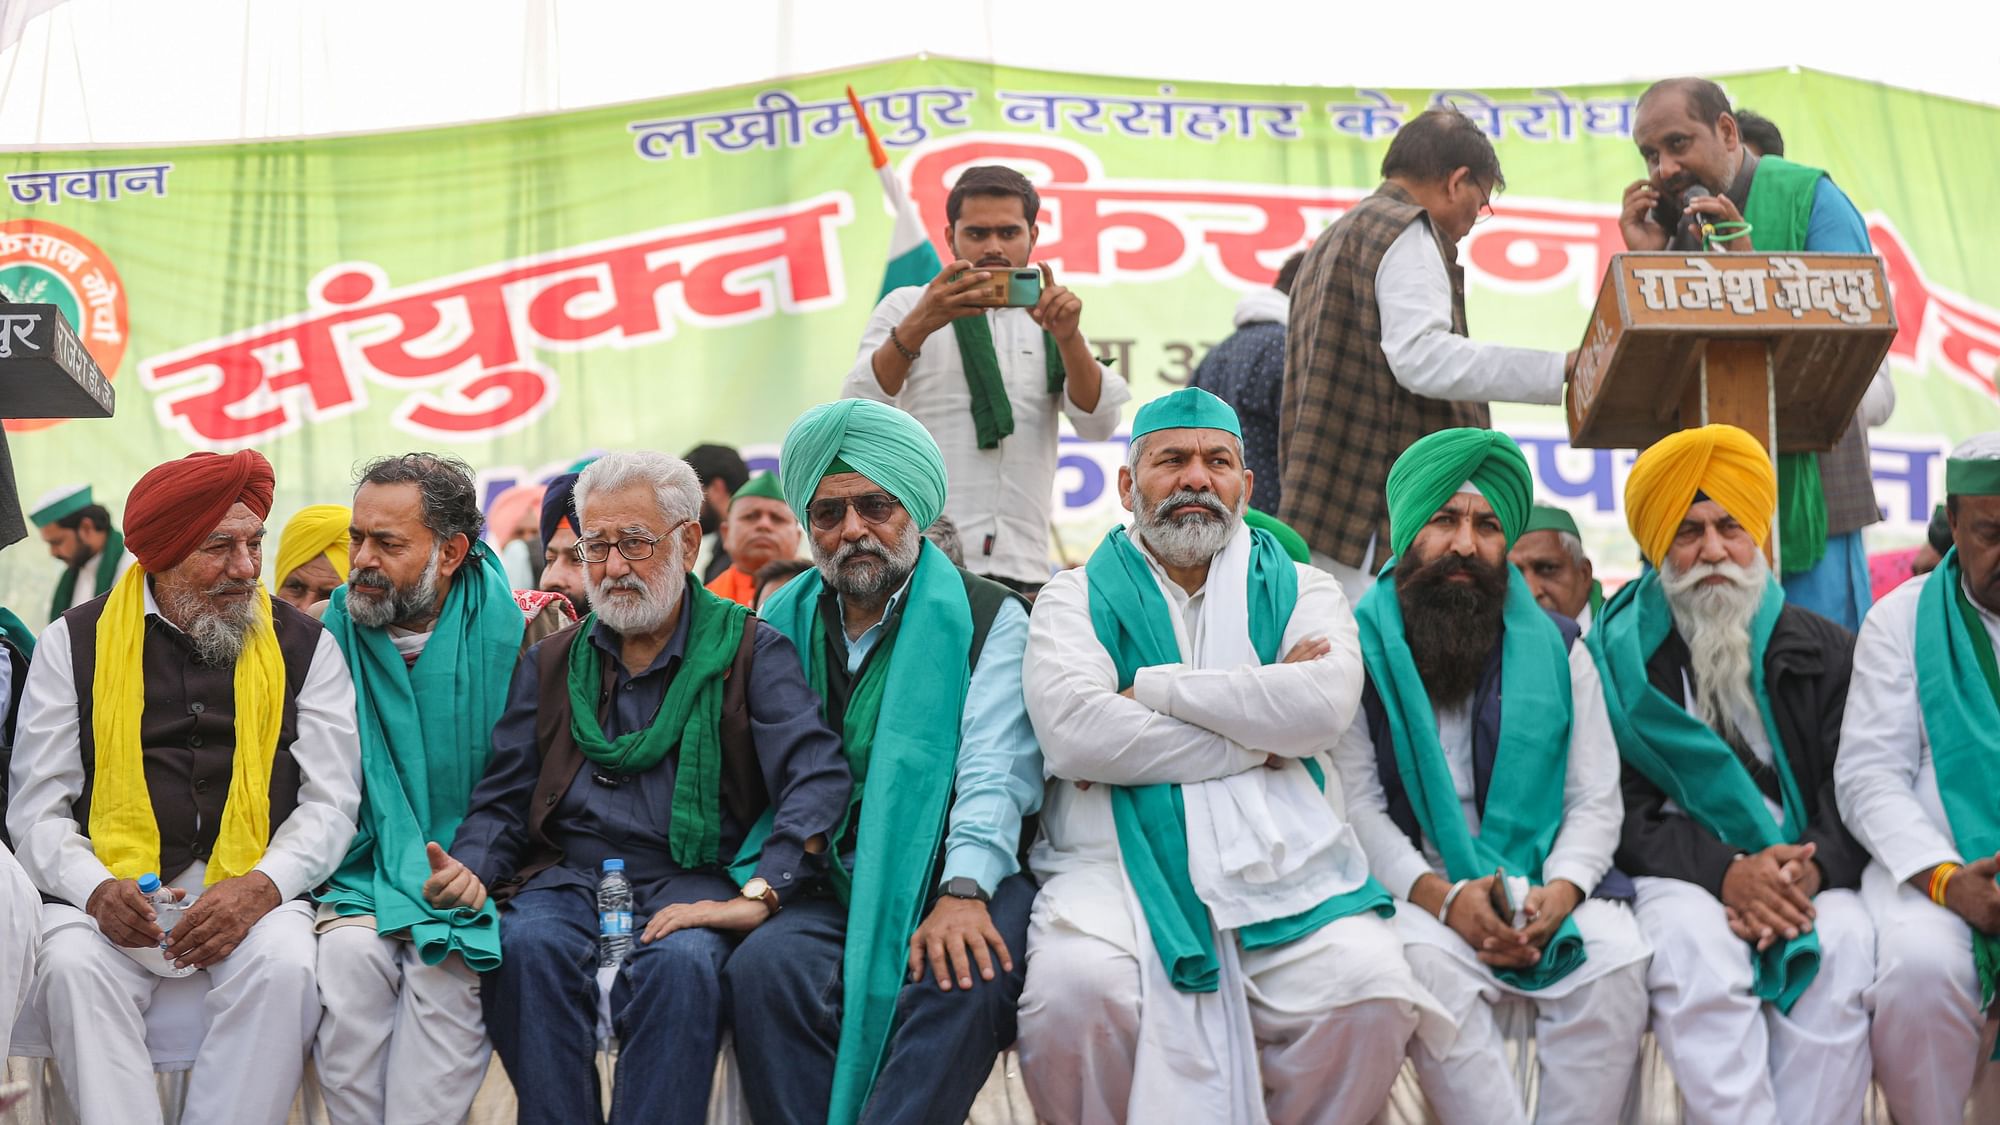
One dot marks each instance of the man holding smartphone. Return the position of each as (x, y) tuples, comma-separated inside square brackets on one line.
[(991, 391)]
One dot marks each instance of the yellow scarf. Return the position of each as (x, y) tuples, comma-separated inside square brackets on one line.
[(122, 826)]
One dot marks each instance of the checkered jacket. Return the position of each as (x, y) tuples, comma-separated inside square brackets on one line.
[(1344, 418)]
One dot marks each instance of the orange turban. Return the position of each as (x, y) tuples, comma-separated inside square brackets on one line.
[(175, 506), (1723, 463)]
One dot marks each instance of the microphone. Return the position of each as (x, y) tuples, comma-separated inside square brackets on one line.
[(1688, 233)]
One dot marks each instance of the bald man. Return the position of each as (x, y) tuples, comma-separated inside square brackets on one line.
[(1726, 703)]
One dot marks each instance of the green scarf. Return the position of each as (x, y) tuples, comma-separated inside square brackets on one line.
[(107, 574), (1131, 619), (17, 633), (689, 717), (1691, 764), (1958, 685), (1596, 599), (992, 411), (1524, 803), (420, 760), (901, 733), (1779, 210)]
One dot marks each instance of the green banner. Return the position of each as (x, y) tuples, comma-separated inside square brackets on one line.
[(700, 268)]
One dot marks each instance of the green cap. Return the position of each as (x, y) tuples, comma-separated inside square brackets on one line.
[(763, 485), (1974, 467), (1189, 408), (64, 501), (1548, 517)]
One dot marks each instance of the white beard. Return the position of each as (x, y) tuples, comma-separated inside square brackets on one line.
[(1189, 540), (1715, 623), (656, 601)]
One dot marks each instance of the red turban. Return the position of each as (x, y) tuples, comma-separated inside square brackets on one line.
[(176, 506)]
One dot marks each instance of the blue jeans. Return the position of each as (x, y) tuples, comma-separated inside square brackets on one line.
[(785, 987), (667, 1009)]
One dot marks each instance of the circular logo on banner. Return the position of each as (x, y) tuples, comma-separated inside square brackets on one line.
[(48, 263)]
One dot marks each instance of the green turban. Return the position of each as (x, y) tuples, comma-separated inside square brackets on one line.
[(876, 440), (1548, 517), (1428, 473)]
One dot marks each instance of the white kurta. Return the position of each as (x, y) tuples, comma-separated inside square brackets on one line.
[(1589, 1022), (1100, 1037), (262, 1005), (401, 1041), (1001, 498), (18, 904), (1925, 998)]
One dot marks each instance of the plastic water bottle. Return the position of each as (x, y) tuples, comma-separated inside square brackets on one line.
[(614, 915), (168, 908)]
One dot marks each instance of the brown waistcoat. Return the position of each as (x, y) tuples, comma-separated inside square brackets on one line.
[(1344, 418), (187, 731)]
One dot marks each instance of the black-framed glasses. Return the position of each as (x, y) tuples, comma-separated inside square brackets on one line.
[(635, 548), (1485, 206), (872, 507)]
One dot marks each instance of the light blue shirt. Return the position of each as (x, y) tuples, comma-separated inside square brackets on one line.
[(1835, 227), (999, 776)]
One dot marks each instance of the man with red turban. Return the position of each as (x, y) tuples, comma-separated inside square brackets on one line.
[(184, 728)]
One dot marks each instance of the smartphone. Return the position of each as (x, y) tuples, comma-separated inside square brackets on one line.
[(1024, 288), (1503, 903), (992, 294)]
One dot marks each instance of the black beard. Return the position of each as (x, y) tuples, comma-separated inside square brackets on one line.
[(1451, 627)]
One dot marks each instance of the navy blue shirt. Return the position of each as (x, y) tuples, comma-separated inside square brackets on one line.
[(804, 771), (1247, 371)]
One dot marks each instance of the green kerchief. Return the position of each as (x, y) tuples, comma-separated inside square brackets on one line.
[(992, 409), (690, 717), (425, 732), (1433, 468), (1189, 408), (62, 502), (109, 562), (1691, 764), (1958, 686), (1548, 517), (878, 441), (764, 485), (1972, 477), (1524, 802)]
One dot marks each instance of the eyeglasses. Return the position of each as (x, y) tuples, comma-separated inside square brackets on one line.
[(873, 507), (1485, 206), (635, 548)]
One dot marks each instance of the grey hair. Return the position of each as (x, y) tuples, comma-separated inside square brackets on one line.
[(944, 534), (1574, 546), (672, 481), (444, 483)]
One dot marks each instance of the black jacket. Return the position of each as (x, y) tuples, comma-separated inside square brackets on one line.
[(1806, 667)]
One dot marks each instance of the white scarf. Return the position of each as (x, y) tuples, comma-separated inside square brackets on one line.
[(1266, 306)]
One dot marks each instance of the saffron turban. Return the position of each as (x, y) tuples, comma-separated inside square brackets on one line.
[(312, 532), (1433, 468), (504, 515), (876, 440), (176, 506), (559, 506), (1723, 463)]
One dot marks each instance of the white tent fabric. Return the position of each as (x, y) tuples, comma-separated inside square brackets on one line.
[(100, 72)]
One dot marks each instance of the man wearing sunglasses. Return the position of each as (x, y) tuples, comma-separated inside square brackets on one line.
[(662, 730), (887, 996), (1376, 349)]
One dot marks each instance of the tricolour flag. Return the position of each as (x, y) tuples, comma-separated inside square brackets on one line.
[(912, 258)]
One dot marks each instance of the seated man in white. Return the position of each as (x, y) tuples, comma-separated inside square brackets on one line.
[(1208, 944), (1919, 755), (1482, 779), (185, 724), (1726, 701), (18, 903)]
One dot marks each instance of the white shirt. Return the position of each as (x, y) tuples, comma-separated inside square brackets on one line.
[(1883, 777), (48, 777), (1413, 298), (86, 577), (1593, 808), (999, 498), (1184, 724)]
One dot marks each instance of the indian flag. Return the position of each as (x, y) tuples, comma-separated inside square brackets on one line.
[(912, 258)]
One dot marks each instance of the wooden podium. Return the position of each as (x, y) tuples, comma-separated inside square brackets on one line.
[(1782, 345)]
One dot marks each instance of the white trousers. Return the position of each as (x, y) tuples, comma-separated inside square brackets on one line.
[(1586, 1045), (1925, 999), (260, 1012), (1737, 1060), (18, 904), (1310, 1002), (401, 1041)]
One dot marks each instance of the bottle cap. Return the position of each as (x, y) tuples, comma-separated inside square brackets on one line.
[(148, 883), (614, 865)]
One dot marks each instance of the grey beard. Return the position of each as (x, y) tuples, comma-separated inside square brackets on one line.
[(657, 600), (894, 562), (403, 604), (1715, 623), (218, 635), (1189, 540)]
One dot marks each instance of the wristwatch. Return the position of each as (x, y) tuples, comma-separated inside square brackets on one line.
[(761, 889), (964, 886)]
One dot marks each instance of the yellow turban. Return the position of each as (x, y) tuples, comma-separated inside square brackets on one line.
[(1723, 463), (315, 531)]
